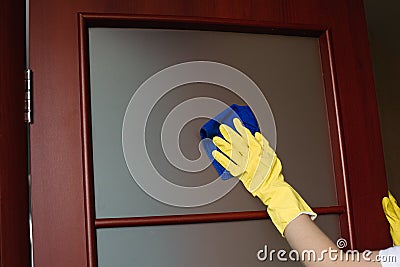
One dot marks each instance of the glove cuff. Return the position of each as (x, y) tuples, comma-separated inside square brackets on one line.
[(284, 204)]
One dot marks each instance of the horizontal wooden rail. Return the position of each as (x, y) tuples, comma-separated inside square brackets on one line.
[(198, 218)]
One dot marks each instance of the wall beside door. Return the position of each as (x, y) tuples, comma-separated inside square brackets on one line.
[(384, 37)]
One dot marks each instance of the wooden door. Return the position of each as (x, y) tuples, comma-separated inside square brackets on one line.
[(65, 224)]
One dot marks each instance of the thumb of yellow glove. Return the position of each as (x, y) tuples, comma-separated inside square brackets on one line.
[(392, 212)]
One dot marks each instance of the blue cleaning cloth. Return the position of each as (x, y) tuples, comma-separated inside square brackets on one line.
[(211, 129)]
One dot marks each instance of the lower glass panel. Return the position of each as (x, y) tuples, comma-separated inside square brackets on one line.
[(198, 245)]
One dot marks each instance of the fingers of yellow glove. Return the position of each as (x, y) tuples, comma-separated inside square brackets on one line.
[(229, 134), (385, 205), (389, 210), (392, 213), (394, 208), (385, 202), (230, 150), (391, 196), (243, 131), (392, 199), (240, 147), (223, 145), (226, 163), (261, 139)]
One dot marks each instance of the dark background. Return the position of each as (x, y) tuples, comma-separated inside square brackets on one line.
[(384, 37)]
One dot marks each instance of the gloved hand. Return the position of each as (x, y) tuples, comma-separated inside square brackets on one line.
[(254, 162), (392, 212)]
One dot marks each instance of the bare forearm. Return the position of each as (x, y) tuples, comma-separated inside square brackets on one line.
[(302, 234)]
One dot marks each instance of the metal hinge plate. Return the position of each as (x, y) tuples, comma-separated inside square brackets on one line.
[(28, 96)]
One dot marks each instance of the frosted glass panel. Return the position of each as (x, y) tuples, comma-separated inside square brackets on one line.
[(286, 69), (214, 245)]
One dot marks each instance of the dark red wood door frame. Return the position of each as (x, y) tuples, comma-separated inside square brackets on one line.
[(64, 223), (14, 232)]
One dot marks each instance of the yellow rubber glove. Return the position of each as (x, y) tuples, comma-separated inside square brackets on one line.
[(254, 162), (392, 212)]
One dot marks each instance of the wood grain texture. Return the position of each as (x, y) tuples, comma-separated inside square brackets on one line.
[(336, 137), (58, 146), (199, 218), (360, 122), (14, 233), (87, 145)]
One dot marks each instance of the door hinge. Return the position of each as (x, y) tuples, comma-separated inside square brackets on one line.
[(28, 96)]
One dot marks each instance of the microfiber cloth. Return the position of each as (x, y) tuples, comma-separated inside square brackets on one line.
[(211, 129)]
